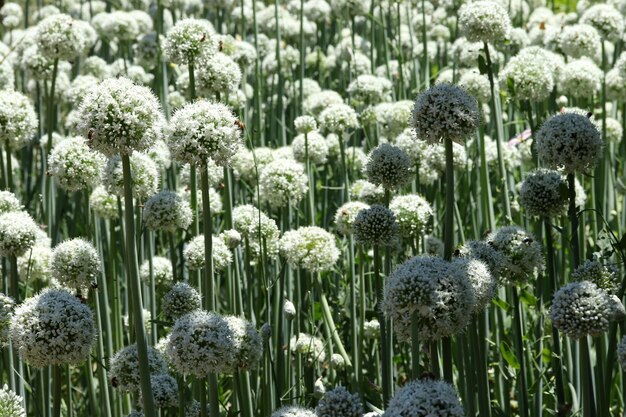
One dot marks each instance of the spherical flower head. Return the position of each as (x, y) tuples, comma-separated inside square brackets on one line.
[(164, 390), (445, 111), (304, 124), (614, 130), (485, 252), (480, 278), (369, 89), (53, 328), (289, 310), (194, 253), (119, 116), (202, 343), (580, 40), (337, 362), (412, 213), (283, 182), (247, 163), (75, 263), (311, 347), (231, 238), (484, 21), (103, 203), (312, 145), (58, 37), (188, 39), (181, 299), (260, 233), (371, 329), (311, 248), (18, 121), (367, 192), (389, 166), (605, 277), (394, 118), (339, 402), (293, 411), (531, 79), (606, 19), (162, 271), (346, 214), (318, 102), (144, 176), (338, 118), (248, 343), (124, 367), (11, 15), (203, 130), (217, 73), (581, 308), (376, 225), (477, 85), (570, 142), (580, 78), (74, 165), (167, 211), (7, 305), (18, 233), (433, 289), (425, 398), (11, 403), (7, 77), (523, 258), (543, 193), (9, 202), (355, 159)]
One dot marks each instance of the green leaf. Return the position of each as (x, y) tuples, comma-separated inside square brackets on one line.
[(528, 299), (509, 356), (502, 304)]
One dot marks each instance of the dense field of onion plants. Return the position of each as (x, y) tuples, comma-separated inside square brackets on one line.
[(312, 208)]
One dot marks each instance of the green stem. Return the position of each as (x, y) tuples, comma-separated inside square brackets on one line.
[(415, 346), (386, 374), (522, 385), (448, 227), (56, 407), (209, 284), (135, 290)]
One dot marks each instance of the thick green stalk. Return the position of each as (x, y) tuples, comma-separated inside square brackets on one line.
[(135, 290), (209, 284), (448, 227), (56, 405), (415, 346), (386, 374), (522, 385), (9, 185), (496, 112)]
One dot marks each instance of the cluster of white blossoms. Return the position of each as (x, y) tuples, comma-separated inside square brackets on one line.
[(569, 141), (103, 203), (338, 118), (370, 89), (582, 308), (124, 367), (203, 342), (346, 214), (188, 40), (311, 347), (311, 248), (389, 166), (58, 37), (522, 257), (375, 225), (75, 263), (312, 145), (484, 21), (580, 78), (445, 111), (143, 172), (531, 79), (204, 130), (294, 411), (18, 121), (605, 277), (18, 233), (181, 299), (339, 402), (7, 305), (259, 232), (413, 214), (53, 328), (11, 403), (425, 398), (542, 193), (194, 253), (167, 211), (162, 271), (9, 202), (119, 116), (74, 166), (283, 182), (433, 289), (218, 74)]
